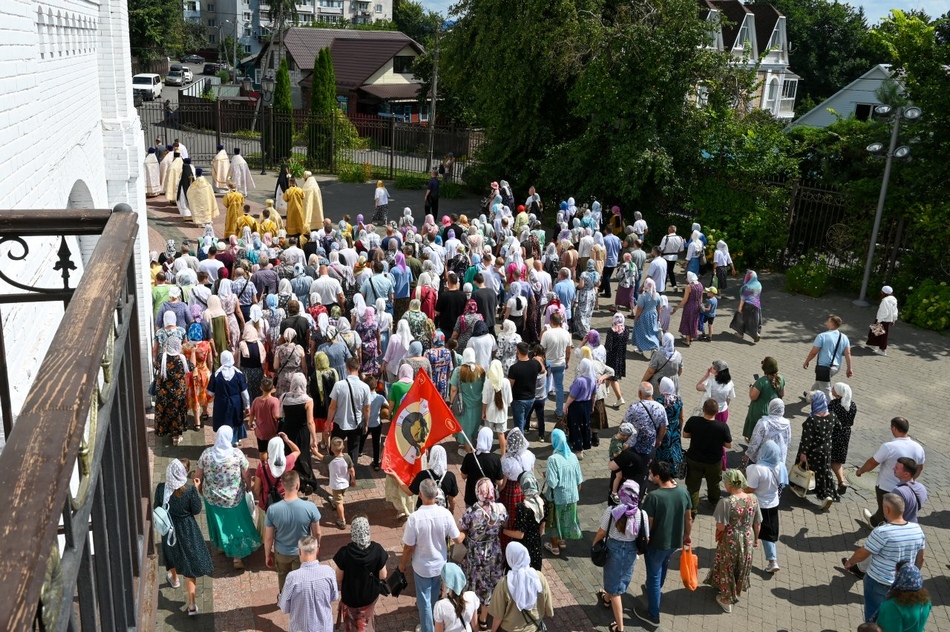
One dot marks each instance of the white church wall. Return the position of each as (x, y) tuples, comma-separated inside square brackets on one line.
[(69, 136)]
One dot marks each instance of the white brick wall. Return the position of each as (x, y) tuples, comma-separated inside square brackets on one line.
[(66, 120)]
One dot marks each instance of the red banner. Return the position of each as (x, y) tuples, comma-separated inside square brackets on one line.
[(422, 420)]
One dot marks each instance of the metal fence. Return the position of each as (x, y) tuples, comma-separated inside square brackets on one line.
[(387, 147), (73, 556)]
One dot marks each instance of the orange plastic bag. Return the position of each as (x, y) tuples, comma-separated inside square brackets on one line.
[(689, 568)]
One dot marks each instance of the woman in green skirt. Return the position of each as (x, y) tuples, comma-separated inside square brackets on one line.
[(563, 480), (467, 382), (766, 388), (222, 473)]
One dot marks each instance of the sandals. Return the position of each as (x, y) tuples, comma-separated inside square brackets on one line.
[(615, 628), (553, 550), (602, 598), (483, 626)]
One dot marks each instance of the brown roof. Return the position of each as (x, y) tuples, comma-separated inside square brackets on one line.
[(766, 17), (394, 92), (733, 13), (356, 54)]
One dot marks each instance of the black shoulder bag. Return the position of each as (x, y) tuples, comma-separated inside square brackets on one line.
[(823, 373), (599, 552)]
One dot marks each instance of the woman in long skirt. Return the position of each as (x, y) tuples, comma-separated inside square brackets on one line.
[(171, 389), (628, 277), (231, 399), (815, 448), (844, 410), (748, 319), (767, 477), (587, 297), (221, 478), (886, 316), (738, 521), (616, 343), (646, 319), (563, 477), (691, 303)]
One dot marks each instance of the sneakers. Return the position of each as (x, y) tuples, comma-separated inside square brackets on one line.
[(773, 567), (880, 352), (542, 438), (854, 570), (725, 605), (341, 524), (174, 584), (826, 503), (642, 614), (615, 499), (621, 402), (192, 610), (867, 517)]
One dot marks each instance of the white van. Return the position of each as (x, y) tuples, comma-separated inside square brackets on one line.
[(148, 84)]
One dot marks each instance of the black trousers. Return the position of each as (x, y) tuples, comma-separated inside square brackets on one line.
[(352, 438), (605, 282), (376, 434), (671, 272)]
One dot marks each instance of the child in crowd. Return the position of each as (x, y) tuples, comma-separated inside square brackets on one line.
[(264, 412), (707, 314), (342, 474), (663, 310), (452, 345), (540, 394), (378, 412), (618, 441)]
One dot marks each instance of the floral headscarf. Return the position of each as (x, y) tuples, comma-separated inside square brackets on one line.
[(629, 494)]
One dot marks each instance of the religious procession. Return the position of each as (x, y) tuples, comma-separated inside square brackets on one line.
[(330, 349)]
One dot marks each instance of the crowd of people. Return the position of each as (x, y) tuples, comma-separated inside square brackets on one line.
[(310, 337)]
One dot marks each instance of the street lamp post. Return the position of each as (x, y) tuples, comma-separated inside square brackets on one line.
[(268, 85), (893, 151)]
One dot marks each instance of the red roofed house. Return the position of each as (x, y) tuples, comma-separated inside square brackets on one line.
[(373, 70)]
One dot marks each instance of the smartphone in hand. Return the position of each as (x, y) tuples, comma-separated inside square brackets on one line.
[(755, 377)]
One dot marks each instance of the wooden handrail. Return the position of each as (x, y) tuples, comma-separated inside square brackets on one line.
[(37, 462)]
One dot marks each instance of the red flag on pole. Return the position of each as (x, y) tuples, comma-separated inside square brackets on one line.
[(422, 420)]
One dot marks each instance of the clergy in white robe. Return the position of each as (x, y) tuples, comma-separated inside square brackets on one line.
[(201, 200), (220, 166), (184, 184), (153, 184), (240, 173), (312, 202), (164, 164), (172, 177)]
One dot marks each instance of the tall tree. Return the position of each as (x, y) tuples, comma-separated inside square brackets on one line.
[(322, 109), (156, 28), (829, 47)]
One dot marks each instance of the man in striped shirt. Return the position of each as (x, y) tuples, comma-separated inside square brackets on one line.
[(895, 541), (309, 591)]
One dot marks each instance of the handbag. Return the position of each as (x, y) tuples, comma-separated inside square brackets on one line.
[(877, 329), (397, 582), (823, 373), (163, 524), (642, 540), (539, 625), (801, 480), (251, 505), (599, 552), (689, 568), (458, 406), (458, 553)]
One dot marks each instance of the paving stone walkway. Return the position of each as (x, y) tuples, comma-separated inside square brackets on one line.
[(811, 593)]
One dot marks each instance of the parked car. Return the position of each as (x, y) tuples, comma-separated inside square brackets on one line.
[(211, 69), (189, 76), (148, 84), (175, 78), (193, 59)]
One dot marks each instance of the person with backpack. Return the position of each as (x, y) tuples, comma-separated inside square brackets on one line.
[(437, 471), (274, 462), (183, 547)]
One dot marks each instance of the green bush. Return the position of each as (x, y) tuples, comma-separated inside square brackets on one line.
[(928, 305), (810, 276), (246, 133), (410, 181), (451, 190), (296, 166), (358, 172)]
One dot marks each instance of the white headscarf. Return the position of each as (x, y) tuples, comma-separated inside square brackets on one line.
[(496, 374), (438, 461), (668, 343), (587, 369), (175, 479), (223, 449), (173, 349), (468, 357), (649, 287), (227, 365), (405, 336), (224, 288), (484, 440), (524, 585), (691, 278), (359, 306), (276, 460), (842, 389)]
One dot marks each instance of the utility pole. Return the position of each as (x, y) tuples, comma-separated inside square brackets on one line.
[(434, 96)]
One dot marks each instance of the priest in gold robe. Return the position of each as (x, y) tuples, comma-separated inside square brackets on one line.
[(201, 200), (294, 196), (312, 202), (234, 207)]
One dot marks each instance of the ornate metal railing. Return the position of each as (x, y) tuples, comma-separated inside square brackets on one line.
[(74, 477)]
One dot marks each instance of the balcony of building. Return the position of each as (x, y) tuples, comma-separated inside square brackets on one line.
[(74, 473)]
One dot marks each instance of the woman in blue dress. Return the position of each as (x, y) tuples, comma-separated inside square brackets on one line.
[(231, 398), (646, 318)]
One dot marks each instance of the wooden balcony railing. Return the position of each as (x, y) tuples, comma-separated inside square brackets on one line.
[(72, 557)]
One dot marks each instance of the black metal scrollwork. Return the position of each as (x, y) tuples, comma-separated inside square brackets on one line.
[(64, 264)]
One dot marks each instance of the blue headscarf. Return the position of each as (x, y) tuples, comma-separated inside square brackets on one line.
[(770, 455), (819, 403), (454, 578), (559, 443), (271, 301)]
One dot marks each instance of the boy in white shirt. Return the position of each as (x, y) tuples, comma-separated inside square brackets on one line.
[(342, 474)]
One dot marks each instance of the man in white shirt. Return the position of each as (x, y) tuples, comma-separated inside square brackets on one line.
[(328, 289), (670, 247), (657, 270), (424, 542), (556, 342), (292, 254), (211, 266), (349, 409), (886, 456), (201, 292), (544, 280)]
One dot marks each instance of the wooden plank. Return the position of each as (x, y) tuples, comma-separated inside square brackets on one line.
[(39, 223), (37, 462)]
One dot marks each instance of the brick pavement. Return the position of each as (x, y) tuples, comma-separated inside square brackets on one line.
[(811, 593)]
